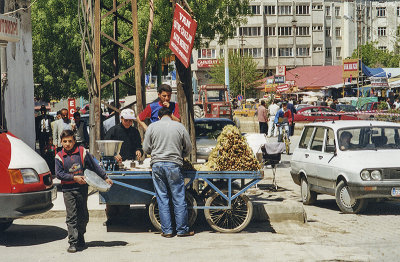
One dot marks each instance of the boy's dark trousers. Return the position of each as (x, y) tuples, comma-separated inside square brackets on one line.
[(77, 213)]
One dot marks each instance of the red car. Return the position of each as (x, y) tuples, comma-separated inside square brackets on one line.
[(321, 113)]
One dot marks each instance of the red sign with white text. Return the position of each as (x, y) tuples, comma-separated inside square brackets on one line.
[(204, 63), (71, 108), (182, 35), (282, 88)]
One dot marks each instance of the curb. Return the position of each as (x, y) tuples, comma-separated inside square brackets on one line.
[(278, 212)]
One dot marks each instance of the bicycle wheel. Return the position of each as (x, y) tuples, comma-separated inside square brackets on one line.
[(229, 220), (155, 216)]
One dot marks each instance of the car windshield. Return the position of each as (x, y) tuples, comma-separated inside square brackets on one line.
[(215, 95), (210, 129), (369, 138)]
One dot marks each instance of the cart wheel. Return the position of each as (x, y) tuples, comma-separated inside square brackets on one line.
[(155, 216), (229, 220)]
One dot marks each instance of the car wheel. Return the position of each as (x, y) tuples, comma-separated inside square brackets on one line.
[(307, 196), (345, 202)]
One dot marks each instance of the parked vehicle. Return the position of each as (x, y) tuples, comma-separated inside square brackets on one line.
[(213, 102), (355, 161), (369, 110), (345, 108), (207, 131), (320, 113), (26, 184)]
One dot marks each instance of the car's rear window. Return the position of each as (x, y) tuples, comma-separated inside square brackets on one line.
[(210, 129)]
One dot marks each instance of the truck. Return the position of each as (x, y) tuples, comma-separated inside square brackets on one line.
[(212, 101)]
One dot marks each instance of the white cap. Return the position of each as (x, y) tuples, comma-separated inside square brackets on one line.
[(128, 114)]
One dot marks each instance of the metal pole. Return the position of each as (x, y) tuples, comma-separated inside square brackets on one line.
[(3, 58), (138, 83), (116, 64)]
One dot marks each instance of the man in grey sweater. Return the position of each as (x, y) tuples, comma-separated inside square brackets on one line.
[(168, 142)]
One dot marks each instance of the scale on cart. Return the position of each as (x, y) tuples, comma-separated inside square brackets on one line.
[(108, 149)]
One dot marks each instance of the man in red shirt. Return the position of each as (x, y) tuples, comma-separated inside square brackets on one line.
[(151, 110), (262, 116)]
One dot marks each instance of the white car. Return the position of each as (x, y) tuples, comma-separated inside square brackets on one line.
[(355, 161)]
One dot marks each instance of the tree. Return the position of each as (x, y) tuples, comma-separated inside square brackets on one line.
[(374, 57), (239, 68)]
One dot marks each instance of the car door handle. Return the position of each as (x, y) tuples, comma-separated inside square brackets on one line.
[(320, 157), (306, 155)]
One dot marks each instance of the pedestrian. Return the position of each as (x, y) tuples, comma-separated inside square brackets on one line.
[(168, 142), (333, 105), (262, 116), (282, 119), (293, 111), (151, 110), (70, 164), (44, 131), (63, 124), (397, 103), (81, 133), (272, 109), (131, 149)]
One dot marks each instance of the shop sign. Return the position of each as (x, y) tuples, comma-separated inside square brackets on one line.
[(279, 79), (350, 68), (9, 29), (379, 82), (280, 71), (282, 88), (71, 108), (206, 63), (182, 35)]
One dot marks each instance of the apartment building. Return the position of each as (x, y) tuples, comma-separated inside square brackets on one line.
[(306, 33)]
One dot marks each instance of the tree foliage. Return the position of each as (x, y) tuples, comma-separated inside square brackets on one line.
[(239, 68), (374, 57), (57, 40)]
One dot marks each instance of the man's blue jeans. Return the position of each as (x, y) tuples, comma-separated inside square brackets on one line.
[(168, 175)]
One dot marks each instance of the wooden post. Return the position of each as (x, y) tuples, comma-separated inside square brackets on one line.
[(138, 82)]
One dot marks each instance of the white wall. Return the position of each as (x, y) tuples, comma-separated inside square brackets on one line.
[(19, 105)]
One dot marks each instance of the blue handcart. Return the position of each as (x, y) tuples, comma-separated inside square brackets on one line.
[(226, 208)]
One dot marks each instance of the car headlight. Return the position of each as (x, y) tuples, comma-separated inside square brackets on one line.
[(376, 175), (29, 175), (365, 175)]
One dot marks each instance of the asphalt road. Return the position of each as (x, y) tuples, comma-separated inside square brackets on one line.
[(328, 235)]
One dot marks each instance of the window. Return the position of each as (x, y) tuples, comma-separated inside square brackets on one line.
[(330, 145), (317, 7), (338, 32), (398, 11), (317, 28), (287, 51), (253, 52), (306, 137), (285, 30), (206, 53), (381, 31), (327, 10), (250, 31), (337, 10), (269, 10), (338, 51), (328, 31), (317, 48), (303, 30), (270, 30), (328, 52), (270, 52), (318, 139), (384, 48), (302, 10), (368, 12), (381, 11), (255, 9), (303, 51), (285, 10), (368, 32)]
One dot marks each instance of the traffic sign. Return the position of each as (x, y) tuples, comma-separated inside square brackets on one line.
[(239, 97)]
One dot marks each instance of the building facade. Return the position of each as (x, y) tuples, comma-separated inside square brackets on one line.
[(306, 33)]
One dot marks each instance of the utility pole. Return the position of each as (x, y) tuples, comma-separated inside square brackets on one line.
[(359, 43), (3, 84), (242, 84), (116, 63)]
